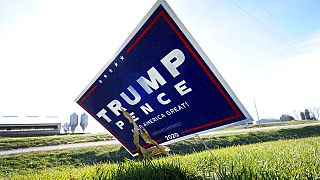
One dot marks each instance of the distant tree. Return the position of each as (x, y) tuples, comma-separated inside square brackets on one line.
[(315, 112), (297, 114), (303, 117), (307, 113), (286, 117)]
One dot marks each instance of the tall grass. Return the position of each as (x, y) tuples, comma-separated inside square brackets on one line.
[(284, 159), (143, 170), (74, 158), (135, 170)]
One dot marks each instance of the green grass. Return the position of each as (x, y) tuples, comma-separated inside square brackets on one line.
[(285, 123), (7, 143), (34, 162), (284, 159), (219, 141)]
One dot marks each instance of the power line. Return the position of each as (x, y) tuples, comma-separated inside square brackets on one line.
[(257, 21), (275, 18)]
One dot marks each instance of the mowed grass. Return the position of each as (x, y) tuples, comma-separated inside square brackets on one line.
[(283, 159), (7, 143), (284, 123), (31, 163)]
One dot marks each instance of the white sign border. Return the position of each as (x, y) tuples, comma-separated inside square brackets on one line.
[(197, 48)]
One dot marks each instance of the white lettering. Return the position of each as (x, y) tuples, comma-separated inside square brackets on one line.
[(172, 66), (115, 107), (182, 89), (134, 117), (102, 113), (136, 95), (120, 124), (155, 78), (163, 102), (146, 108)]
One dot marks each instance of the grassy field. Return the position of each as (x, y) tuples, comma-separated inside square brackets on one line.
[(285, 123), (7, 143), (284, 159), (51, 162)]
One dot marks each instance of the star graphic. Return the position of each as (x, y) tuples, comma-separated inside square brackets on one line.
[(122, 58), (100, 81), (116, 64), (105, 76), (110, 70)]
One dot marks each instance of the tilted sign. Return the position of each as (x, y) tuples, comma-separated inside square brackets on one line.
[(162, 77)]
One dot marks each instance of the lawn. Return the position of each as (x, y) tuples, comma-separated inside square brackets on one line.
[(284, 123), (87, 158), (283, 159), (7, 143)]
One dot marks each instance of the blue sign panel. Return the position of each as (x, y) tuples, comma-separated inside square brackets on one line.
[(161, 76)]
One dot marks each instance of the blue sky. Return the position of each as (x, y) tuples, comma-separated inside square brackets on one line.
[(267, 50)]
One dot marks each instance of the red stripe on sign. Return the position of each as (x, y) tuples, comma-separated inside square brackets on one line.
[(90, 92), (209, 124), (110, 130), (144, 32), (202, 65), (197, 58), (93, 115)]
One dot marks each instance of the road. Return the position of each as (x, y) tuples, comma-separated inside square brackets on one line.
[(58, 147), (112, 142)]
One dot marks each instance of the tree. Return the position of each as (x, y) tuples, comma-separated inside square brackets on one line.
[(312, 113), (303, 116), (286, 117), (307, 113), (297, 114), (315, 112)]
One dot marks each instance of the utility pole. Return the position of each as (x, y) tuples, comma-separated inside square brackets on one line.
[(257, 113)]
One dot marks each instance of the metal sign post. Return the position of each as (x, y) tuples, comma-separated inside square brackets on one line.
[(165, 81)]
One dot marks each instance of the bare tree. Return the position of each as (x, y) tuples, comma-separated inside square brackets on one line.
[(297, 114), (303, 116), (307, 113), (315, 112)]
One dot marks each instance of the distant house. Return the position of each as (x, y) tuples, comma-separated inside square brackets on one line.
[(29, 129)]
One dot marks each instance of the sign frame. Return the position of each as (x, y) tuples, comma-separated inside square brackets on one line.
[(197, 48)]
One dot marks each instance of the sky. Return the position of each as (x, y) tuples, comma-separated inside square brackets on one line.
[(268, 51)]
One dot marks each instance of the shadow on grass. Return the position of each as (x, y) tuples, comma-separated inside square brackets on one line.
[(143, 170)]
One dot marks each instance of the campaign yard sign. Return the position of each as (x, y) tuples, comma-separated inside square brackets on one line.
[(165, 81)]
